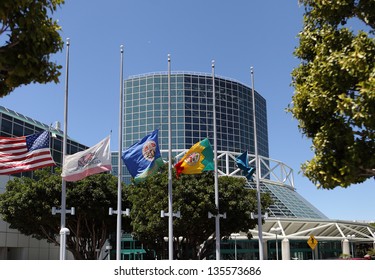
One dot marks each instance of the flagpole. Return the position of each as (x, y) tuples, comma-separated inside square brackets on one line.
[(170, 198), (63, 230), (217, 217), (257, 168), (119, 162)]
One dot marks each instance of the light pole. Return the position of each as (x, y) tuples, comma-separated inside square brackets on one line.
[(235, 243), (350, 237), (276, 231), (257, 168)]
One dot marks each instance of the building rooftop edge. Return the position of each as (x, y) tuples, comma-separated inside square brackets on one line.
[(22, 117), (185, 73)]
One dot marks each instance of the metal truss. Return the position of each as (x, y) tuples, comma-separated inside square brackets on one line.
[(301, 229), (271, 170)]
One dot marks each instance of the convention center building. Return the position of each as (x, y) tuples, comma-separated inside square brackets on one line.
[(292, 224), (292, 220)]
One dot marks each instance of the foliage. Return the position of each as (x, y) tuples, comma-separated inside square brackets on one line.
[(371, 252), (344, 256), (194, 197), (334, 99), (28, 37), (26, 206)]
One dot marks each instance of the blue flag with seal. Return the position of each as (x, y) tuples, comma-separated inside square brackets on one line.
[(242, 162), (143, 158)]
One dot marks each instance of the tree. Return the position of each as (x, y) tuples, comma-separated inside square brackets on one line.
[(91, 197), (28, 37), (194, 197), (334, 99)]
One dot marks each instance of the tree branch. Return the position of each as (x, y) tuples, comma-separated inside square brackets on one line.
[(54, 241)]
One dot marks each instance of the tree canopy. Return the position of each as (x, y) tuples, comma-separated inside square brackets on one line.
[(26, 206), (194, 197), (28, 36), (334, 99), (90, 227)]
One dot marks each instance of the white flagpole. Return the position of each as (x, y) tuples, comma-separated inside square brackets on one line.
[(217, 217), (257, 171), (119, 178), (63, 230), (170, 198)]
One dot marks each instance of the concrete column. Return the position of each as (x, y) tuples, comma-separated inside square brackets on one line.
[(285, 249), (265, 250), (345, 247)]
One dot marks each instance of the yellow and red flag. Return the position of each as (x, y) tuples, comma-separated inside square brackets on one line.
[(199, 158)]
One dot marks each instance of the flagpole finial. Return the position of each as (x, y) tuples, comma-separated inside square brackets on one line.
[(67, 41), (169, 57), (213, 63), (121, 48), (252, 70)]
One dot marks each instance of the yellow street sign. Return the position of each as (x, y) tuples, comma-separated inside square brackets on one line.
[(312, 242)]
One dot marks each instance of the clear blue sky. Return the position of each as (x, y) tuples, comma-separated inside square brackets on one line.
[(237, 34)]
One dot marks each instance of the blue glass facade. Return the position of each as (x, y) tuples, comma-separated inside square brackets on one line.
[(288, 203), (146, 108)]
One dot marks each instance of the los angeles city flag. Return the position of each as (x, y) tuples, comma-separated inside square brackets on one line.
[(94, 160), (143, 158), (199, 158)]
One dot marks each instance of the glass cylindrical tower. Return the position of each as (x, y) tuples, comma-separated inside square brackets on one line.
[(146, 108)]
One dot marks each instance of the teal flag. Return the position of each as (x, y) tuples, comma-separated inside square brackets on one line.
[(242, 162)]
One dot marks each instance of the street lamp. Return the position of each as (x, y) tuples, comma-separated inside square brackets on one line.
[(235, 243), (350, 237), (276, 231)]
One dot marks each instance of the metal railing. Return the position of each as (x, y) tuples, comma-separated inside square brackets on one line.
[(271, 170)]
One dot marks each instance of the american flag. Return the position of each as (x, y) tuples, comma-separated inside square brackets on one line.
[(25, 153)]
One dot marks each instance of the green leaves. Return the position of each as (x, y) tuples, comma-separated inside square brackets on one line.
[(194, 197), (30, 36), (334, 98), (26, 206)]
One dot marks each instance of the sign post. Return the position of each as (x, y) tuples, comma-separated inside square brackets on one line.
[(312, 243)]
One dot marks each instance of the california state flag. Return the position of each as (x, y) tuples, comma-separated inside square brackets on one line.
[(94, 160)]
